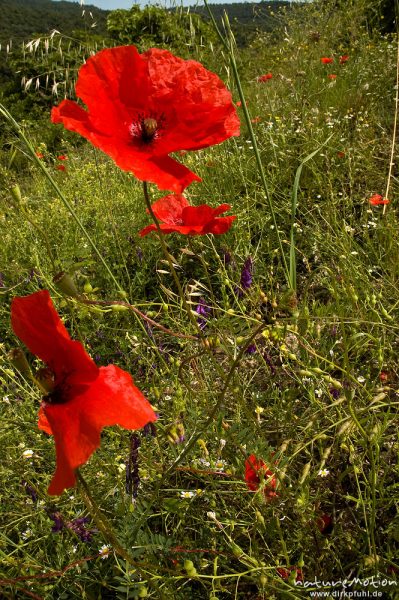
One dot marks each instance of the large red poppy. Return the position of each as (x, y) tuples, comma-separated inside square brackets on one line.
[(84, 397), (254, 469), (142, 107), (175, 214)]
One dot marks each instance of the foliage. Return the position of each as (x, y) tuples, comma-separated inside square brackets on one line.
[(155, 26), (315, 396), (22, 19)]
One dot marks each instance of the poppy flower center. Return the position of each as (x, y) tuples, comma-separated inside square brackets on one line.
[(54, 394), (146, 129)]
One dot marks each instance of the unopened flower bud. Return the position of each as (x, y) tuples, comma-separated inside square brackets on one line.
[(16, 194), (119, 308), (17, 358), (65, 284)]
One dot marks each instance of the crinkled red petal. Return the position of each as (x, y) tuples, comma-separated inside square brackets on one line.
[(111, 399), (169, 209), (38, 325)]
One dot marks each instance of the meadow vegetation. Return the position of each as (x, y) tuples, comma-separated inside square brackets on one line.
[(295, 362)]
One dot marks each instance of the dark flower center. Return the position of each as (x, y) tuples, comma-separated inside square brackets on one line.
[(145, 129), (149, 129)]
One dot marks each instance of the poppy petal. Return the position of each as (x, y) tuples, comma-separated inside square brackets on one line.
[(169, 209), (111, 399), (37, 324)]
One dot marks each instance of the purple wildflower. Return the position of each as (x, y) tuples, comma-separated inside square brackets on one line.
[(203, 310), (78, 526), (30, 490), (334, 393), (251, 349), (246, 274), (150, 430), (59, 522), (132, 467)]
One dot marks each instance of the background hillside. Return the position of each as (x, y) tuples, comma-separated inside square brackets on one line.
[(21, 19)]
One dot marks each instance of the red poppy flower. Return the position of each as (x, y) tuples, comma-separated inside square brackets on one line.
[(175, 214), (264, 78), (39, 154), (286, 572), (238, 103), (256, 120), (343, 59), (60, 167), (332, 76), (326, 60), (142, 107), (83, 398), (377, 199), (62, 157), (255, 467), (341, 154)]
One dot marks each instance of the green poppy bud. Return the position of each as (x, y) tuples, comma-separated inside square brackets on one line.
[(17, 358), (66, 285)]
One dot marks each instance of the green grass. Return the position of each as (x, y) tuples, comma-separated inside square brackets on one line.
[(320, 390)]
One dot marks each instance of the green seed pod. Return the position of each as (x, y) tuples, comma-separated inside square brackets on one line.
[(87, 288), (188, 565), (66, 285), (119, 308)]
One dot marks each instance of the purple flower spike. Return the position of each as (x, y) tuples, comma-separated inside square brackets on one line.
[(203, 310), (246, 274), (78, 526)]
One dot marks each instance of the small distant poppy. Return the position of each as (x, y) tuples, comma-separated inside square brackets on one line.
[(325, 524), (377, 199), (60, 167), (264, 78), (256, 120), (341, 154), (332, 76), (62, 157), (343, 59), (176, 215), (39, 154), (326, 60), (254, 468), (238, 103), (285, 572)]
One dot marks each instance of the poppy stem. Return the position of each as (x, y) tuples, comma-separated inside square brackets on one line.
[(168, 258), (100, 520)]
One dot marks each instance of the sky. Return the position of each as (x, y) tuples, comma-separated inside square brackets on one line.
[(113, 4)]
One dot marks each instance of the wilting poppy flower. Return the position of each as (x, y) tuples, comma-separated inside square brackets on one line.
[(332, 76), (82, 398), (142, 107), (341, 154), (326, 60), (377, 199), (175, 214), (255, 467), (60, 167), (343, 59), (264, 78)]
